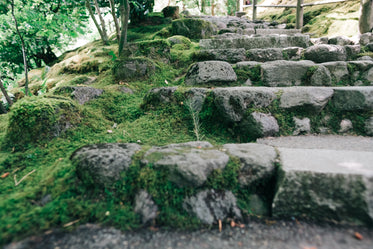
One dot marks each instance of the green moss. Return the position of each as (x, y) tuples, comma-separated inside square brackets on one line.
[(250, 72), (155, 49)]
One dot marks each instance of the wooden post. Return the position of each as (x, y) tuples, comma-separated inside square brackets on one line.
[(299, 21), (254, 9)]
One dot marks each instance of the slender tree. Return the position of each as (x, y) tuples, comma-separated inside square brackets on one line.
[(116, 22), (101, 29), (124, 16), (23, 49), (8, 99)]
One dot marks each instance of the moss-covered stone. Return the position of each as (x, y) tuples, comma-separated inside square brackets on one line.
[(155, 49), (38, 119), (134, 68), (193, 28)]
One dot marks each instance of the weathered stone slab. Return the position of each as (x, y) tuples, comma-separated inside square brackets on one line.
[(101, 164), (277, 31), (285, 73), (193, 28), (257, 162), (321, 76), (210, 206), (324, 53), (274, 41), (325, 184), (161, 95), (230, 55), (232, 102), (209, 72), (314, 98), (353, 98), (189, 164), (269, 54), (340, 40)]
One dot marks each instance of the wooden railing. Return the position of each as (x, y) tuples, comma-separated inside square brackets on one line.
[(300, 6)]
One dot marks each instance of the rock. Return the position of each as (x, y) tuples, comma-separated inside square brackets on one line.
[(38, 119), (101, 164), (197, 98), (145, 206), (257, 163), (134, 68), (366, 16), (228, 55), (352, 51), (233, 102), (193, 28), (366, 38), (346, 125), (369, 126), (161, 95), (126, 90), (321, 76), (179, 39), (365, 58), (369, 46), (210, 206), (302, 126), (321, 40), (325, 184), (171, 11), (144, 52), (340, 40), (210, 72), (353, 98), (312, 98), (81, 94), (277, 31), (269, 54), (292, 53), (338, 70), (261, 125), (285, 73), (324, 53), (273, 41), (189, 164)]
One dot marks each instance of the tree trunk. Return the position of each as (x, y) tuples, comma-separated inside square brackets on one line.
[(5, 93), (124, 16), (88, 6), (366, 16), (102, 20), (23, 50), (117, 28)]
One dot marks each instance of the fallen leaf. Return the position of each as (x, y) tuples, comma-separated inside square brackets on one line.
[(71, 223), (220, 226), (239, 243), (109, 131), (359, 236), (199, 147), (242, 226), (154, 229), (165, 81), (309, 247), (5, 175), (233, 224)]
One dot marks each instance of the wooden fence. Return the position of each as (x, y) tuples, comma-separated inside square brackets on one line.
[(300, 6)]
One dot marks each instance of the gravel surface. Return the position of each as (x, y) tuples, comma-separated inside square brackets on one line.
[(258, 235)]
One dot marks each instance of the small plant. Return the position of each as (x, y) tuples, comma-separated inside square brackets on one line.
[(194, 112)]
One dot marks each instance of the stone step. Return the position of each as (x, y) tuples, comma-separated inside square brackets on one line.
[(280, 73), (317, 53), (319, 178), (268, 41), (271, 111)]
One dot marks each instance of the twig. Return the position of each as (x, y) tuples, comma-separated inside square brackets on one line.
[(71, 223), (23, 178)]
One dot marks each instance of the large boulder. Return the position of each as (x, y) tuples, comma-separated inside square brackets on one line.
[(210, 72), (338, 70), (189, 164), (311, 98), (193, 28), (285, 73), (160, 95), (102, 164), (324, 53), (366, 16), (171, 11), (325, 184), (260, 125), (210, 206), (233, 102), (320, 76), (257, 162)]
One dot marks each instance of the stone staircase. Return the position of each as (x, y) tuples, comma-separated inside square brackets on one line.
[(267, 84)]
